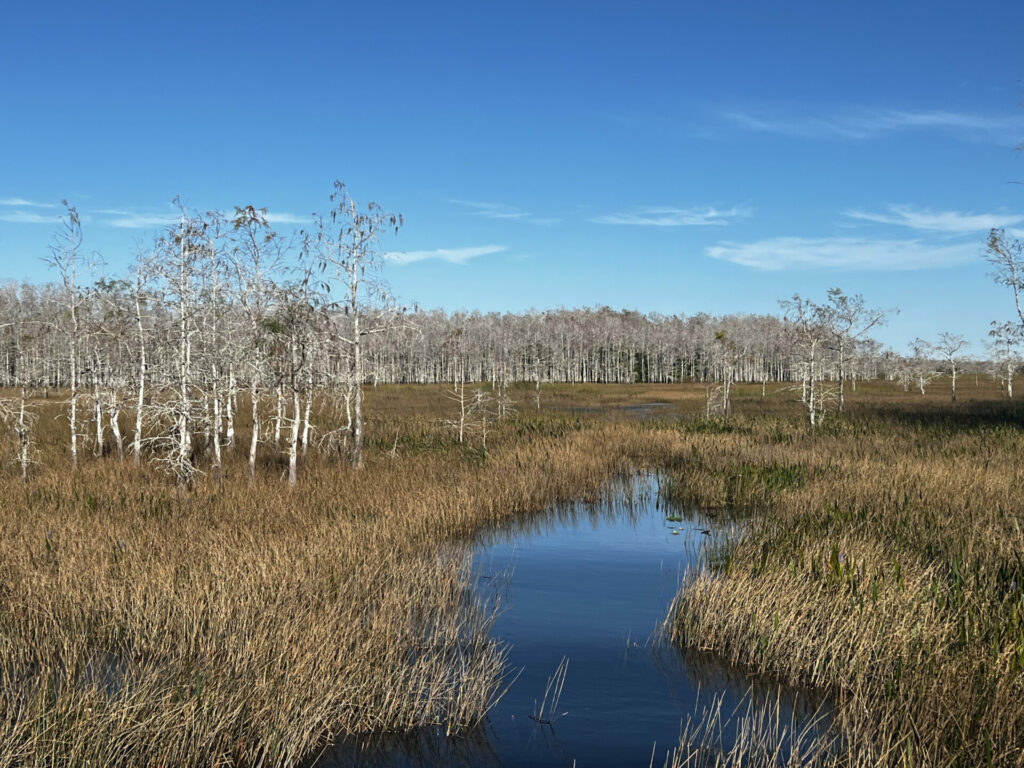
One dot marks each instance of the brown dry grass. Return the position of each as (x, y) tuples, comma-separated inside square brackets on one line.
[(246, 625), (882, 563), (145, 625)]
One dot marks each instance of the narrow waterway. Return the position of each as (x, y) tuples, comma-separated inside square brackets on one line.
[(581, 593)]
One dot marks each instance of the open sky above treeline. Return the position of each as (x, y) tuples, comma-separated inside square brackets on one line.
[(669, 157)]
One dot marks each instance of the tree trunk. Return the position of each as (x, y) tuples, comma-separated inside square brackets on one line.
[(812, 405), (278, 417), (229, 408), (305, 418), (842, 377), (216, 429), (255, 439), (97, 417), (137, 442), (113, 412), (23, 438), (357, 373), (293, 441), (74, 402), (184, 426)]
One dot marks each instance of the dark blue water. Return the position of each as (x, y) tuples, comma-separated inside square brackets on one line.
[(590, 584), (593, 585)]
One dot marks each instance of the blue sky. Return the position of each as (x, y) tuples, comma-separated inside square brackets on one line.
[(670, 157)]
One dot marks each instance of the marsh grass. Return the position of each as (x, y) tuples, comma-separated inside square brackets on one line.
[(882, 563), (763, 732), (879, 560), (145, 624)]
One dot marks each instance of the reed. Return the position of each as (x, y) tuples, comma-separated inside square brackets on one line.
[(546, 713)]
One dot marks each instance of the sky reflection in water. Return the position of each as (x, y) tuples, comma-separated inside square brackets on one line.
[(592, 583)]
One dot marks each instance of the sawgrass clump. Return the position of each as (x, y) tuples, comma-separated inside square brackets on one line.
[(248, 624), (882, 562)]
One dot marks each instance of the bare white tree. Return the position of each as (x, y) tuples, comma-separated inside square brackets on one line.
[(948, 348), (15, 412), (849, 320), (178, 261), (140, 298), (65, 257), (719, 397), (256, 256), (809, 324), (295, 326), (483, 416), (455, 349), (1004, 346), (347, 248), (1006, 255), (920, 365)]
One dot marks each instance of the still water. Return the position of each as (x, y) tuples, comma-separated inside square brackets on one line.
[(587, 587)]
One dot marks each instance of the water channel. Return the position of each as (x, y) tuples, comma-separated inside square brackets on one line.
[(586, 587)]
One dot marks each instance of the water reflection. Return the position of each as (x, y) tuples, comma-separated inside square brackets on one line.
[(591, 582), (626, 499)]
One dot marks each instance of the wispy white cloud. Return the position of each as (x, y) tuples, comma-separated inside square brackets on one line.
[(129, 220), (804, 126), (28, 217), (12, 209), (493, 210), (22, 202), (844, 253), (504, 212), (287, 218), (675, 217), (871, 123), (954, 222), (452, 255)]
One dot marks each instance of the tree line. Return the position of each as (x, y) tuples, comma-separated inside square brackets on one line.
[(223, 310)]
